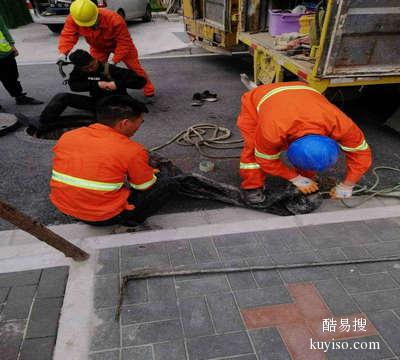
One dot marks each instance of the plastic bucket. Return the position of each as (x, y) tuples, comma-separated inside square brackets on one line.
[(281, 22)]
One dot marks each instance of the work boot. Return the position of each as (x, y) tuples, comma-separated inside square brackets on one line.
[(27, 100), (30, 121), (1, 108), (253, 196)]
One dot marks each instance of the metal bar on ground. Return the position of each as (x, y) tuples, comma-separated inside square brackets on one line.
[(41, 232)]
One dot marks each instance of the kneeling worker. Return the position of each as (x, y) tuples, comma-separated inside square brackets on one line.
[(92, 165), (295, 117), (99, 79)]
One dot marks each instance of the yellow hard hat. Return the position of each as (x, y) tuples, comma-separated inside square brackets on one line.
[(84, 12)]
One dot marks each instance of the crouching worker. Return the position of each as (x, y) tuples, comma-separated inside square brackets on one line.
[(295, 117), (93, 166), (88, 75)]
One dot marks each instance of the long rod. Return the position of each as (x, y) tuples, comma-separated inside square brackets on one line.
[(41, 232)]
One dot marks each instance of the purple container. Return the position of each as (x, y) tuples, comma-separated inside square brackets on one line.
[(283, 22)]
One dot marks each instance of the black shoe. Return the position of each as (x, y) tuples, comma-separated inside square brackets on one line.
[(27, 100), (253, 196), (197, 99), (1, 108), (207, 96)]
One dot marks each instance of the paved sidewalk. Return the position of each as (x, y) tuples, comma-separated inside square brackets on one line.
[(36, 44), (30, 305), (254, 315)]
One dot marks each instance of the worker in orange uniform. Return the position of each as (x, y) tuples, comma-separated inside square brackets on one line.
[(106, 32), (295, 117), (93, 165)]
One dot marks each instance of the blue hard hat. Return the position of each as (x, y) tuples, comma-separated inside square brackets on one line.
[(313, 152)]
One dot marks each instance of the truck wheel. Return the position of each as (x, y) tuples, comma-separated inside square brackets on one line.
[(55, 28), (147, 16)]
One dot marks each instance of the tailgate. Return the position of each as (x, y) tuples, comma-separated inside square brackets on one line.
[(364, 39)]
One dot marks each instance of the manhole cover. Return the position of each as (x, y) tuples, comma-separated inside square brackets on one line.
[(8, 122)]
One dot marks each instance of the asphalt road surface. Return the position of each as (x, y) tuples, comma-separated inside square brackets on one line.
[(25, 162)]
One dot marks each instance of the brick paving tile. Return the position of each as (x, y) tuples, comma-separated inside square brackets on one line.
[(269, 345), (356, 252), (306, 274), (388, 325), (241, 281), (295, 258), (52, 282), (171, 350), (204, 250), (268, 278), (337, 299), (160, 331), (224, 313), (235, 239), (107, 334), (195, 317), (11, 334), (20, 278), (43, 321), (378, 267), (3, 294), (243, 251), (106, 355), (219, 346), (152, 311), (365, 283), (106, 291), (244, 357), (38, 349), (297, 339), (260, 261), (395, 272), (259, 297), (18, 302), (290, 239), (139, 353), (141, 250), (136, 292), (181, 253), (161, 289), (331, 254), (108, 261), (382, 300), (129, 264), (385, 229), (202, 286), (389, 248)]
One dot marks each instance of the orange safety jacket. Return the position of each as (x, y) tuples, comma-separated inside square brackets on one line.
[(284, 112), (90, 168), (110, 35)]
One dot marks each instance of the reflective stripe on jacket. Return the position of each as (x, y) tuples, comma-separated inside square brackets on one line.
[(90, 167), (284, 112), (5, 46)]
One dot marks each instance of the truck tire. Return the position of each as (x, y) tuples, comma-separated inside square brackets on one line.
[(147, 16), (55, 28)]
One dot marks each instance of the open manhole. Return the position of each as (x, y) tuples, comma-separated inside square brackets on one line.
[(65, 124), (8, 122)]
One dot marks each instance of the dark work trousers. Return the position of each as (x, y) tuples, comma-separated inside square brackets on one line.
[(51, 113), (147, 202), (9, 75)]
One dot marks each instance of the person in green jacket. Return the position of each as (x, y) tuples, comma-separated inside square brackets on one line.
[(9, 70)]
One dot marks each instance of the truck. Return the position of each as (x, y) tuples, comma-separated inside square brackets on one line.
[(354, 42)]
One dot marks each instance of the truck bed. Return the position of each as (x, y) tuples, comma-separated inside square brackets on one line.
[(264, 41)]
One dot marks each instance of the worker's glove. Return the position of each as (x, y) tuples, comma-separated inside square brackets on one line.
[(304, 184), (62, 59), (111, 62), (341, 191)]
